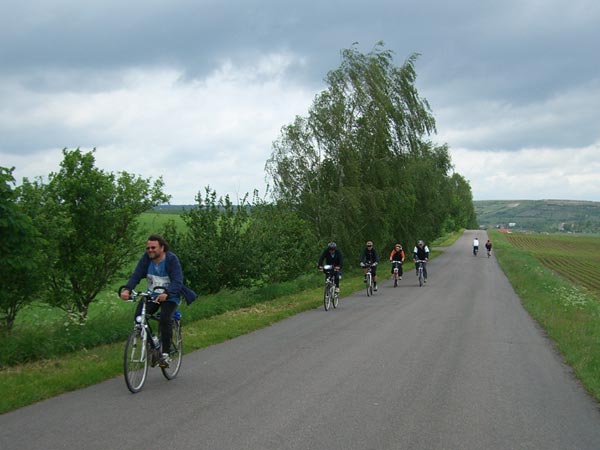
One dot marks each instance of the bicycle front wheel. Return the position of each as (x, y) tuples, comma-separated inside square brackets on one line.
[(369, 285), (327, 297), (135, 362), (421, 277), (176, 352), (336, 299)]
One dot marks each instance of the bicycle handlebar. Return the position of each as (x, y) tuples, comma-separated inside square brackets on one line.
[(133, 294)]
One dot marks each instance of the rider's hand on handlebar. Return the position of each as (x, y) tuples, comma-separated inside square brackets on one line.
[(125, 294), (321, 268)]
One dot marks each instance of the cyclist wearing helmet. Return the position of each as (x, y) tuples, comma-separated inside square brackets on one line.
[(369, 257), (332, 256), (397, 255), (421, 252)]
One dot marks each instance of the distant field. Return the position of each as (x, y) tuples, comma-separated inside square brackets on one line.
[(576, 258)]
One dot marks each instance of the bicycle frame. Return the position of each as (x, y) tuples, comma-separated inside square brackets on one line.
[(143, 346), (396, 265), (369, 277), (329, 296), (419, 265)]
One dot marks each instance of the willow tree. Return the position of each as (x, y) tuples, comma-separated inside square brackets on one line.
[(349, 166)]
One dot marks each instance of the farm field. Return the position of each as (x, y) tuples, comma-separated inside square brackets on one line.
[(576, 258)]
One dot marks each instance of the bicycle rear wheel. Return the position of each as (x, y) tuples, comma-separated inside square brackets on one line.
[(176, 353), (327, 296), (135, 362)]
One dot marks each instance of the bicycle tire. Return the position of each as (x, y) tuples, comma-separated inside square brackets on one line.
[(395, 278), (336, 299), (369, 288), (176, 353), (135, 362), (420, 277), (327, 296)]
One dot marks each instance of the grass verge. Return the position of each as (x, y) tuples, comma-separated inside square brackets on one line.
[(569, 313)]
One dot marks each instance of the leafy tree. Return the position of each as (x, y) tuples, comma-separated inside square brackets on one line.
[(215, 248), (89, 219), (359, 166), (282, 246), (22, 270)]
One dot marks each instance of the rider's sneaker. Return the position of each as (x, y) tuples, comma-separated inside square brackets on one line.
[(425, 280), (164, 360), (399, 278), (337, 290), (375, 288)]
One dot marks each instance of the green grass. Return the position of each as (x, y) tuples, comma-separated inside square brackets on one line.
[(568, 312)]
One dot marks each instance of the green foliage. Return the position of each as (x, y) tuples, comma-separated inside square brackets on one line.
[(358, 167), (89, 220), (22, 245), (232, 246)]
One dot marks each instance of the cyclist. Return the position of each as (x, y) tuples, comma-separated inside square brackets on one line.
[(421, 252), (160, 267), (369, 256), (488, 246), (397, 255), (332, 256), (475, 246)]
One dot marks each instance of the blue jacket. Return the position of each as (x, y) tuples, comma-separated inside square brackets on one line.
[(173, 267)]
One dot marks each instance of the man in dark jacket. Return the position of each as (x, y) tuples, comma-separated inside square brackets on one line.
[(421, 253), (370, 257), (161, 268), (332, 256)]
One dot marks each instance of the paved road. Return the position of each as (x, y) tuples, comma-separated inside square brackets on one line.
[(456, 364)]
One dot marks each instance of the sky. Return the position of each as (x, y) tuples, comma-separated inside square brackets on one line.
[(196, 91)]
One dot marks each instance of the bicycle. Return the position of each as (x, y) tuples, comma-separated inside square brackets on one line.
[(368, 277), (396, 266), (330, 295), (143, 347), (419, 265)]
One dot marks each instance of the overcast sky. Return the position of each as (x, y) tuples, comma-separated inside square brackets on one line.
[(196, 91)]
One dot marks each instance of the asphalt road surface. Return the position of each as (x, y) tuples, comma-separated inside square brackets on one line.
[(455, 364)]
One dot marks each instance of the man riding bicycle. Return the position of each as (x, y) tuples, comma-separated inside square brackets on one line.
[(161, 268), (332, 256), (369, 257), (421, 253)]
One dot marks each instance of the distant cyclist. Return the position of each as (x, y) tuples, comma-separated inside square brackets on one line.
[(397, 255), (488, 247), (370, 257), (421, 253), (475, 246), (332, 256)]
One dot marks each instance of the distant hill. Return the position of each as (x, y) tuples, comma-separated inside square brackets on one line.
[(540, 215)]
